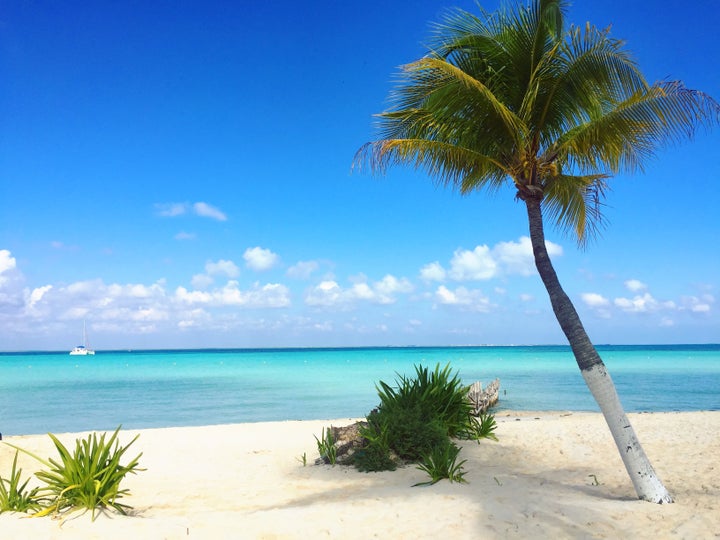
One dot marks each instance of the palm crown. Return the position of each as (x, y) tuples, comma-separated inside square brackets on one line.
[(516, 96)]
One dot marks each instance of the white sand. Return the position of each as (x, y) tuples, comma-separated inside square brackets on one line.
[(247, 481)]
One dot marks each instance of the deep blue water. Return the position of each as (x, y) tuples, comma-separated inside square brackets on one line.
[(55, 392)]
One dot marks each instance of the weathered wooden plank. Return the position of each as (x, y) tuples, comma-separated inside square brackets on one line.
[(483, 399)]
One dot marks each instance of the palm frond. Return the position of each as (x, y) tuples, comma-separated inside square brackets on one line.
[(575, 203), (513, 94), (589, 71), (453, 99), (448, 164), (625, 136)]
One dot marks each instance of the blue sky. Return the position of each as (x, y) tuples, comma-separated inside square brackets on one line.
[(178, 175)]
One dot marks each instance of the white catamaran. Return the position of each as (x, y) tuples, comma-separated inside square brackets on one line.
[(84, 349)]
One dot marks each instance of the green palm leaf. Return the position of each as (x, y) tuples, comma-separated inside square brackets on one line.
[(512, 97)]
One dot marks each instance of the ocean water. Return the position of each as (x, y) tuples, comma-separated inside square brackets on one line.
[(55, 392)]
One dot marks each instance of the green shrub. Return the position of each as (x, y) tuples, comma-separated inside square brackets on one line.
[(373, 458), (416, 420), (412, 433), (375, 455), (89, 478), (441, 462), (437, 395), (14, 496)]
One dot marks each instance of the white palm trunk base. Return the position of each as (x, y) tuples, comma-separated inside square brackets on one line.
[(647, 484)]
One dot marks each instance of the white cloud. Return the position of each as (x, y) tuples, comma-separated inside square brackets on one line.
[(484, 263), (594, 300), (517, 257), (302, 269), (325, 293), (201, 281), (128, 308), (633, 285), (330, 293), (7, 262), (37, 294), (222, 267), (472, 300), (433, 272), (214, 268), (130, 290), (524, 297), (201, 209), (697, 305), (12, 293), (477, 264), (144, 314), (193, 318), (360, 291), (171, 209), (642, 304), (193, 297), (260, 259), (271, 295), (182, 235), (206, 210), (389, 285), (598, 303)]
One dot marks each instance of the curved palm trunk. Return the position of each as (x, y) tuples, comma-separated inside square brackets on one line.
[(647, 485)]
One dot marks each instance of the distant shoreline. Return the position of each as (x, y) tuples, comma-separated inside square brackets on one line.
[(604, 346)]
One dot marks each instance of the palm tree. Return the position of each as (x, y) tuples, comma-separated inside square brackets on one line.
[(515, 96)]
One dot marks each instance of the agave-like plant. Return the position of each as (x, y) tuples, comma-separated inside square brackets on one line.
[(326, 446), (482, 427), (14, 496), (441, 462), (88, 478)]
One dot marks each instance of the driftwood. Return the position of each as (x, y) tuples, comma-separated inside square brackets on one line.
[(481, 399), (346, 440)]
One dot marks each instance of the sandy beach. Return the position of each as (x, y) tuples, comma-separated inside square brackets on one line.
[(551, 475)]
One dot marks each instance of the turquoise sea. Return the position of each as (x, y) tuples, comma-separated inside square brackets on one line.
[(55, 392)]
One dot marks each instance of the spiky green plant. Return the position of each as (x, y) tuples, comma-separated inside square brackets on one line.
[(326, 446), (14, 496), (88, 478), (481, 427), (441, 462), (434, 395)]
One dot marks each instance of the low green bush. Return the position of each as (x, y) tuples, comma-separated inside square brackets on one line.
[(372, 458), (415, 422), (411, 432), (432, 395), (375, 455)]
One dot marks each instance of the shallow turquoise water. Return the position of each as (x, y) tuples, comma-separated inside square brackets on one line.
[(41, 392)]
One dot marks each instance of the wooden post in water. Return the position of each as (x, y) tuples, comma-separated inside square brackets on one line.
[(481, 399)]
